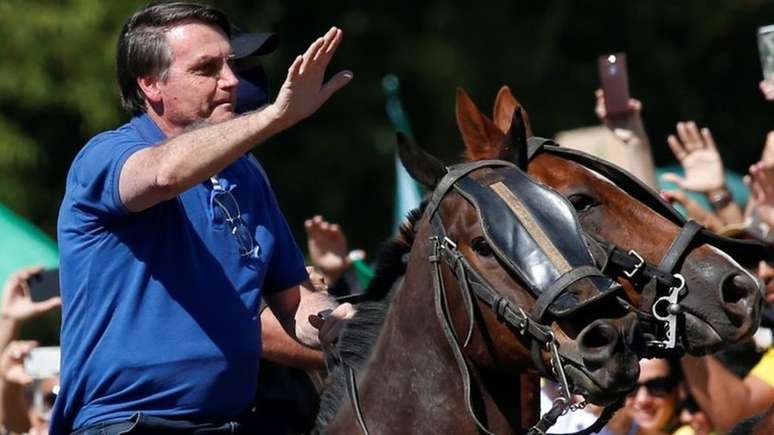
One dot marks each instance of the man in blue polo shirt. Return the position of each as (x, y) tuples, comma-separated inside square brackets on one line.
[(170, 235)]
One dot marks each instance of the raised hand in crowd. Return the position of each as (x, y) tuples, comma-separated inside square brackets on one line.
[(767, 88), (630, 129), (16, 301), (768, 150), (694, 209), (697, 153), (13, 381), (16, 305), (328, 248), (760, 180)]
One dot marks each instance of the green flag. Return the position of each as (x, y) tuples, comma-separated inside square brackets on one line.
[(408, 194), (22, 244)]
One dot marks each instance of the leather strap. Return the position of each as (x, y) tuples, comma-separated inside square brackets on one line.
[(679, 246), (354, 399), (559, 286)]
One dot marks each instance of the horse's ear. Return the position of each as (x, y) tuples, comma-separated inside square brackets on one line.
[(515, 141), (481, 136), (504, 108), (422, 166)]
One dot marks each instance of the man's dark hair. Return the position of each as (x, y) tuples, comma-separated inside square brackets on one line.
[(142, 45)]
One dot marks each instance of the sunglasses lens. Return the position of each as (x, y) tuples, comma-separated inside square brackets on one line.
[(244, 238), (228, 205), (659, 387)]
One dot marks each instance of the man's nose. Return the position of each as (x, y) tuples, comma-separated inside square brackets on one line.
[(227, 77)]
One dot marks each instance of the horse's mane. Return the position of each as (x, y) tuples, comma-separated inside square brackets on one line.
[(359, 335)]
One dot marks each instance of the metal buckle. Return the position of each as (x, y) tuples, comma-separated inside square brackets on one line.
[(637, 267), (448, 244)]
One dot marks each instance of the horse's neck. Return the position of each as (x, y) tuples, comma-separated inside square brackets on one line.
[(412, 383)]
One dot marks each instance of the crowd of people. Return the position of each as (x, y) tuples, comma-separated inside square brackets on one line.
[(695, 395), (171, 207)]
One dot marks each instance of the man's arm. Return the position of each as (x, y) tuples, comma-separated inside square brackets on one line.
[(721, 394), (297, 306), (280, 348), (158, 173)]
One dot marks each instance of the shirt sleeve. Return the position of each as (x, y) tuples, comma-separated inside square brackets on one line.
[(765, 367), (93, 184)]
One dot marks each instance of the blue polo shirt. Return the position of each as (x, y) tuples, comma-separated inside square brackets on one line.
[(160, 310)]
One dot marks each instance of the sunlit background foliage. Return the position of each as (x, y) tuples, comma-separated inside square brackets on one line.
[(687, 60)]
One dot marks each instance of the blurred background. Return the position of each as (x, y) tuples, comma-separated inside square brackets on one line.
[(687, 60)]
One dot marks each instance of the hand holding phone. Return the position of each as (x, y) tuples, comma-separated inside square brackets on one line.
[(766, 50), (614, 79), (44, 285), (42, 362)]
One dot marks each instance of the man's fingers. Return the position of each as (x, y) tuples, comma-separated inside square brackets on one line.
[(49, 304), (316, 321), (311, 51), (295, 67), (682, 135), (335, 83), (709, 141), (674, 196), (692, 133), (676, 146), (330, 42), (673, 178)]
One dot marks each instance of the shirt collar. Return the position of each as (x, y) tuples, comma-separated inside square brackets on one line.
[(148, 129)]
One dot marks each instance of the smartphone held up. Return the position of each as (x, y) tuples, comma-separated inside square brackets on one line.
[(766, 50), (614, 79), (44, 285)]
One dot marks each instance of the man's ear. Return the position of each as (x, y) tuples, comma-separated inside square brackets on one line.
[(150, 87)]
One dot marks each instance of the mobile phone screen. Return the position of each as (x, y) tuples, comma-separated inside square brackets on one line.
[(42, 362), (44, 285), (766, 49), (614, 79)]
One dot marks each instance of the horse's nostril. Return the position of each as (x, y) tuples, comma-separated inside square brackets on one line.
[(737, 287), (597, 342)]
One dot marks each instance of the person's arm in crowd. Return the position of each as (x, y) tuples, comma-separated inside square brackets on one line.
[(760, 180), (328, 248), (767, 88), (280, 348), (694, 209), (767, 156), (724, 397), (13, 381), (630, 129), (699, 157), (158, 173), (297, 310)]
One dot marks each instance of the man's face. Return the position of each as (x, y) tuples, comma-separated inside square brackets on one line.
[(200, 85)]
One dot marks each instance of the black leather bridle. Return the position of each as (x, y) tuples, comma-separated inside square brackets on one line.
[(443, 250), (664, 306)]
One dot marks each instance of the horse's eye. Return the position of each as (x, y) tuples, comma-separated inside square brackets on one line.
[(582, 202), (481, 247)]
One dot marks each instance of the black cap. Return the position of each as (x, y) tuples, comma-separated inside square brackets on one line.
[(246, 44)]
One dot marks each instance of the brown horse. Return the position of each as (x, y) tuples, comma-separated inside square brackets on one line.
[(720, 302), (499, 283)]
